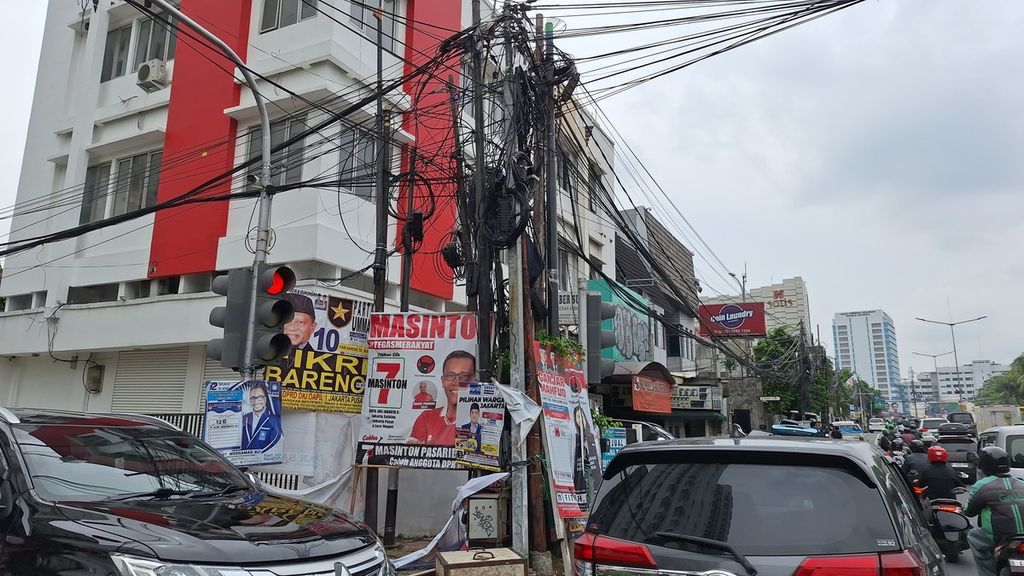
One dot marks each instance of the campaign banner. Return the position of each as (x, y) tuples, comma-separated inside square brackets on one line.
[(614, 440), (738, 319), (479, 420), (571, 443), (651, 395), (326, 369), (243, 421), (410, 407)]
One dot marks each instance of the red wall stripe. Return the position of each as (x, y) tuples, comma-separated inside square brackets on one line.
[(433, 136), (201, 138)]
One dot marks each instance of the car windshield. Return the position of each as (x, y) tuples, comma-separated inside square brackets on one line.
[(875, 421), (961, 418), (958, 444), (935, 423), (98, 462), (744, 505)]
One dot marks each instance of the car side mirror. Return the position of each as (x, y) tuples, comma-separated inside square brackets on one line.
[(951, 521)]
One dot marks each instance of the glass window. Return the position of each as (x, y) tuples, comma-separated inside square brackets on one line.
[(281, 13), (115, 54), (358, 161), (285, 164), (744, 505), (86, 462), (1015, 448), (94, 196), (563, 270), (156, 41), (362, 13), (136, 182), (594, 192)]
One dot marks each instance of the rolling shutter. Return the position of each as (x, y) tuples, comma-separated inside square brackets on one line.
[(150, 381), (212, 370)]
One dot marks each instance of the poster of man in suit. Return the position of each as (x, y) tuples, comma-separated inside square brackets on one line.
[(243, 421)]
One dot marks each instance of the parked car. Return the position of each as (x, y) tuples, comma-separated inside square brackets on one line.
[(1011, 439), (641, 431), (770, 506), (794, 428), (929, 429), (876, 425), (850, 429), (133, 495), (965, 418)]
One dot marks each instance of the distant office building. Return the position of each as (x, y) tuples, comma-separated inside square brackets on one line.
[(865, 342), (971, 377)]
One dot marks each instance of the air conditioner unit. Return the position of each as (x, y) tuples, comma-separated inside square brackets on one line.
[(152, 75)]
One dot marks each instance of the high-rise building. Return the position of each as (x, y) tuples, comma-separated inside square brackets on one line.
[(865, 342), (970, 378)]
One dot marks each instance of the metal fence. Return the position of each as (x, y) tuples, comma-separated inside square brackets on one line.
[(193, 424)]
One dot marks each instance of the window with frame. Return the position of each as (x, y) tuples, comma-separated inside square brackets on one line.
[(565, 168), (115, 53), (563, 270), (595, 188), (362, 13), (358, 161), (281, 13), (286, 164), (156, 40), (132, 183)]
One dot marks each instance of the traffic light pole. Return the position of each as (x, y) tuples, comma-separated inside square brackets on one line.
[(263, 223)]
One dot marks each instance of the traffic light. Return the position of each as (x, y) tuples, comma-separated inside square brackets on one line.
[(598, 339), (233, 318), (273, 311)]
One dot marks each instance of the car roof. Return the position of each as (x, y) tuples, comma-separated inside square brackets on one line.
[(48, 417), (1015, 428), (854, 454)]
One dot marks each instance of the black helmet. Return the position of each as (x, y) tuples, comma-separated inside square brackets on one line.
[(994, 460), (917, 446), (897, 444)]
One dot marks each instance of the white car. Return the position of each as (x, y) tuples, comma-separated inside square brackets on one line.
[(929, 429), (876, 425)]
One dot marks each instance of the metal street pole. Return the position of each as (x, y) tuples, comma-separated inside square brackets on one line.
[(550, 177), (935, 365), (263, 223), (483, 244), (956, 358)]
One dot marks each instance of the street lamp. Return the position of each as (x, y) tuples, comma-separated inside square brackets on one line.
[(935, 364), (956, 359)]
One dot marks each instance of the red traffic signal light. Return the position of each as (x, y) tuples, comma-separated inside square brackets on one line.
[(272, 312), (276, 281)]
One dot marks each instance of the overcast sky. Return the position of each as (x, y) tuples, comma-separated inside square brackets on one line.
[(875, 152)]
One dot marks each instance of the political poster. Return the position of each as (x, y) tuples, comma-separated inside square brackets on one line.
[(415, 367), (326, 369), (614, 440), (479, 420), (243, 421), (571, 443)]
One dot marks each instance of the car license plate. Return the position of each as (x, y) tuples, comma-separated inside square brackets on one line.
[(959, 464)]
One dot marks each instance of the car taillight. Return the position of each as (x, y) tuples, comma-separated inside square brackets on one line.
[(947, 508), (597, 549), (924, 429), (889, 564), (861, 565), (904, 563)]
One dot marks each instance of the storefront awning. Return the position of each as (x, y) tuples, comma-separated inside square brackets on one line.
[(624, 372), (695, 414)]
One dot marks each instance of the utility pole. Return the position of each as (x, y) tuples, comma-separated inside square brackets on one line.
[(483, 244), (465, 238), (803, 382), (263, 222), (380, 260), (551, 174)]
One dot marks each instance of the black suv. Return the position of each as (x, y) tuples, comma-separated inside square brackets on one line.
[(122, 495), (965, 418), (770, 506)]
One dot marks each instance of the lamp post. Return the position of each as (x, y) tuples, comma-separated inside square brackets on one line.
[(956, 359)]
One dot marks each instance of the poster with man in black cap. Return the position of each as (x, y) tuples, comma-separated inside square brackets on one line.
[(326, 369)]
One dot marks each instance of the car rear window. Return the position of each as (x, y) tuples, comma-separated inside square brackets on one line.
[(958, 444), (961, 418), (761, 510), (935, 423)]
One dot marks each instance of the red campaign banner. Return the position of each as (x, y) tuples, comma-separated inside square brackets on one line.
[(739, 319), (652, 395)]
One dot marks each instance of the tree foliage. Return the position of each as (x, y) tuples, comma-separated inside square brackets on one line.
[(776, 356)]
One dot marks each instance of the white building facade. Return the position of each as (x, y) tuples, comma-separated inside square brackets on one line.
[(969, 379), (785, 304), (134, 298), (865, 342)]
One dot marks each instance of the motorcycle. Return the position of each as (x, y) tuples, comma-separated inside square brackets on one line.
[(1010, 556), (952, 543)]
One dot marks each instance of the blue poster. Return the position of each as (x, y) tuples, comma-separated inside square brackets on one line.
[(616, 440), (243, 421)]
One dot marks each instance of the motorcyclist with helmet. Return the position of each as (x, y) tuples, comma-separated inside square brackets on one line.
[(998, 501), (885, 440), (897, 451), (916, 462), (939, 480)]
